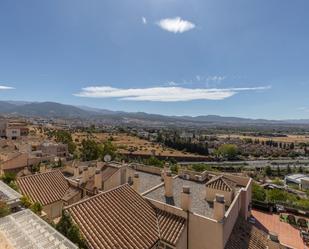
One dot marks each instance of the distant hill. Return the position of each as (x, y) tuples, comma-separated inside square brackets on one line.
[(57, 110)]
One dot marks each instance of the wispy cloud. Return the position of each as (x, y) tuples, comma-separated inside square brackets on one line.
[(163, 94), (176, 25), (6, 87), (303, 108), (144, 20)]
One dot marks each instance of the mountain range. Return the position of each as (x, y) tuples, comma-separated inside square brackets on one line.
[(57, 110)]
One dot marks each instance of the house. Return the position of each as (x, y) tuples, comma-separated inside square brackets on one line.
[(51, 190), (301, 180), (55, 149), (92, 177), (25, 229), (121, 218)]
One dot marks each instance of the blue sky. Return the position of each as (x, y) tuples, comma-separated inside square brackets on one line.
[(177, 57)]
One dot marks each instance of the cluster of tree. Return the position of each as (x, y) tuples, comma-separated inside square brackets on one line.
[(35, 207), (270, 143), (268, 171), (66, 227), (278, 195), (187, 145), (10, 179), (228, 151), (92, 150), (65, 137)]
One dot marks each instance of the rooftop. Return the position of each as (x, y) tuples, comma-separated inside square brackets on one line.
[(44, 188), (121, 218), (198, 193), (148, 181), (8, 195), (24, 230)]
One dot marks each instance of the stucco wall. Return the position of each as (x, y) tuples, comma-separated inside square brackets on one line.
[(53, 210), (211, 195), (113, 181)]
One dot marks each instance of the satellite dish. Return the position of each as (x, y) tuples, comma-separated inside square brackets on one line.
[(107, 158)]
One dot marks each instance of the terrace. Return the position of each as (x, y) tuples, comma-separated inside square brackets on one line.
[(24, 230)]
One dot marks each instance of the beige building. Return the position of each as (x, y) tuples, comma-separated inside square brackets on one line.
[(175, 213), (95, 176), (51, 190), (55, 149)]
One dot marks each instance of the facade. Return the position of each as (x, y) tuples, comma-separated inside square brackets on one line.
[(55, 149), (25, 229), (51, 190)]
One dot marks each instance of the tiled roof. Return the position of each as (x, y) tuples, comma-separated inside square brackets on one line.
[(246, 236), (171, 226), (44, 188), (221, 183), (121, 218)]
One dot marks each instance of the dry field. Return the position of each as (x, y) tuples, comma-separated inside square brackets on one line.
[(288, 139), (127, 143)]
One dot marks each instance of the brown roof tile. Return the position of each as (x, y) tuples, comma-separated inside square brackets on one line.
[(221, 183), (246, 236), (44, 188), (121, 218)]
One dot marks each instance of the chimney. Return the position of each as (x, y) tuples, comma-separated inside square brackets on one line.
[(186, 198), (85, 175), (136, 182), (219, 207), (164, 171), (273, 241), (76, 171), (168, 184), (98, 179)]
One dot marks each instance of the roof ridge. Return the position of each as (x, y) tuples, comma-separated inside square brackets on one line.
[(96, 196), (39, 174)]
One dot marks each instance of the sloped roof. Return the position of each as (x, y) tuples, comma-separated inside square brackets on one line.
[(246, 236), (44, 188), (107, 172), (171, 226), (221, 183), (121, 218)]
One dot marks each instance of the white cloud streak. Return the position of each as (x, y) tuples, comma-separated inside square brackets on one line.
[(144, 20), (163, 94), (175, 25), (6, 88)]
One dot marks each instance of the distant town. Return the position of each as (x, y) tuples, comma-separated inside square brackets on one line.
[(75, 184)]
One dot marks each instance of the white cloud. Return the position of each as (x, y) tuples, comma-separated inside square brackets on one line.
[(144, 20), (6, 88), (176, 25), (162, 94)]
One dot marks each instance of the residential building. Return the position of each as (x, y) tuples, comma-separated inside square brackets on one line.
[(25, 229), (51, 189), (301, 180), (55, 149)]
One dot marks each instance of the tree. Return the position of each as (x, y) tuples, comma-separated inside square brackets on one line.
[(108, 149), (65, 137), (90, 150), (300, 169), (4, 209), (228, 151), (70, 230), (258, 192), (288, 169), (268, 170), (25, 201), (36, 208), (8, 177)]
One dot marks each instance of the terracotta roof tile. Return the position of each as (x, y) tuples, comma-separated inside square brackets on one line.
[(121, 218), (44, 188), (221, 183), (246, 236)]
